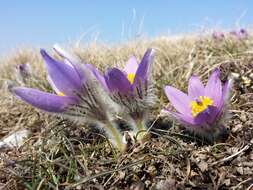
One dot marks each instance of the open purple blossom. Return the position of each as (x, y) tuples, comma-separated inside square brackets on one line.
[(80, 95), (132, 88), (240, 34), (204, 108)]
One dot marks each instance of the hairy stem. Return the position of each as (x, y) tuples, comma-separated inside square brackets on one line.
[(139, 125), (114, 135)]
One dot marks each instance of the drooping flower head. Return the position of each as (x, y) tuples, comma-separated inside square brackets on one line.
[(132, 87), (204, 108), (80, 94)]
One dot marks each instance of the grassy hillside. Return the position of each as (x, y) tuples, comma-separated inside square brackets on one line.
[(59, 154)]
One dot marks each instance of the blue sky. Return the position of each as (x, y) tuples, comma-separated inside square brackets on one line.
[(43, 23)]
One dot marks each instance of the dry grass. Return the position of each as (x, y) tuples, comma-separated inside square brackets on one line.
[(61, 155)]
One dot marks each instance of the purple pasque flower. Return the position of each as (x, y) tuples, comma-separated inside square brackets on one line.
[(203, 109), (133, 77), (240, 34), (79, 95), (218, 36), (132, 88), (64, 80)]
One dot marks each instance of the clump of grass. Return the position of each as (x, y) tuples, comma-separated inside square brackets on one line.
[(60, 154)]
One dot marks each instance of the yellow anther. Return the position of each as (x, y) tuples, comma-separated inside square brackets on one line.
[(200, 105), (130, 77), (60, 94)]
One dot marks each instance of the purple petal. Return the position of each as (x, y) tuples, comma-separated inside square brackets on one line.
[(208, 116), (195, 87), (213, 114), (117, 81), (213, 88), (201, 118), (42, 100), (71, 60), (64, 77), (54, 87), (143, 69), (179, 100), (98, 75), (131, 66), (183, 119)]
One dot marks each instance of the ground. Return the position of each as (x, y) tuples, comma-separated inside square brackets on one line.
[(62, 155)]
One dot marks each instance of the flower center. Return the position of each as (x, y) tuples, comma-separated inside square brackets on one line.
[(60, 94), (200, 105), (130, 77)]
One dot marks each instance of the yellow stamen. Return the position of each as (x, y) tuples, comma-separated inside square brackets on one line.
[(130, 77), (60, 94), (200, 105)]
